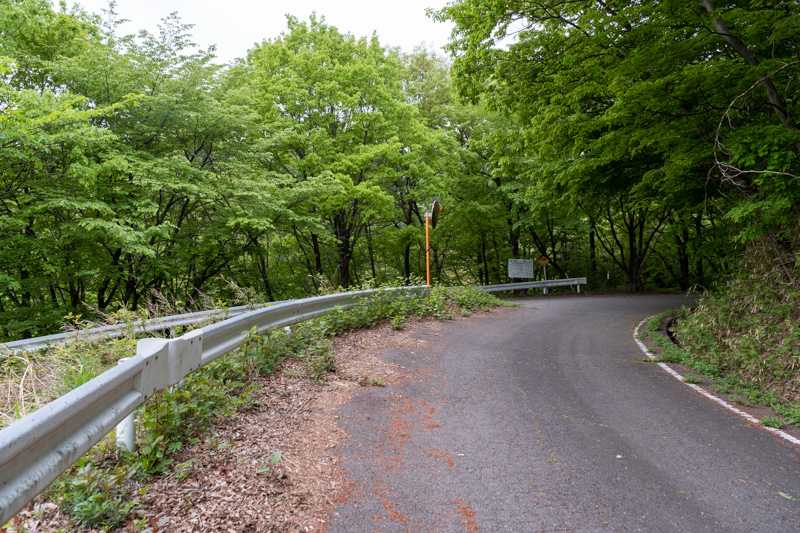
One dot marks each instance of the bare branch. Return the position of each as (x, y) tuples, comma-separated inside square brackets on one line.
[(728, 171)]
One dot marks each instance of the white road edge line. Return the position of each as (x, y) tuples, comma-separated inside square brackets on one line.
[(720, 401)]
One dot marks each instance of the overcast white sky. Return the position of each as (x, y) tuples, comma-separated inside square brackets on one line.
[(234, 25)]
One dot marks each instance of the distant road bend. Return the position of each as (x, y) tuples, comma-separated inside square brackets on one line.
[(545, 418)]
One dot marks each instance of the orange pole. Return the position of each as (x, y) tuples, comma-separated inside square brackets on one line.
[(427, 248)]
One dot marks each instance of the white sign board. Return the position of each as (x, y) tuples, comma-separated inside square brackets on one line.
[(520, 268)]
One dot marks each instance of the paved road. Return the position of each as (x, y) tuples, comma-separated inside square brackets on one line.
[(545, 419)]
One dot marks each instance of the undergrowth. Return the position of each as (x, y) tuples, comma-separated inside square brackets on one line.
[(746, 337), (100, 490), (29, 380)]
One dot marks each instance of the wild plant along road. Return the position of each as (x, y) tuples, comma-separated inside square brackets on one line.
[(545, 418)]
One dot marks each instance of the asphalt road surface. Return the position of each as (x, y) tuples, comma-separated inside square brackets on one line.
[(545, 418)]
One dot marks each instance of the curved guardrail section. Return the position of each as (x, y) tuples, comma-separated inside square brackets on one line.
[(118, 330), (167, 322), (38, 448), (534, 285)]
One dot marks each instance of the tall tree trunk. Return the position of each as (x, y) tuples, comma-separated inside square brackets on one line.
[(682, 245), (371, 252), (498, 268), (541, 247), (592, 247), (344, 250), (407, 264), (317, 254), (513, 238), (263, 270), (483, 268), (698, 266), (311, 270)]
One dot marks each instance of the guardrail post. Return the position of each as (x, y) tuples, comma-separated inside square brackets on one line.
[(126, 433), (126, 430)]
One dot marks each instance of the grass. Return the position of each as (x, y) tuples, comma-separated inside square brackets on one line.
[(31, 380), (691, 378)]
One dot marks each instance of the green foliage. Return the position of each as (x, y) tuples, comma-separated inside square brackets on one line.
[(83, 369), (472, 299), (182, 413), (637, 141), (772, 421), (343, 118), (750, 329), (94, 495), (274, 459), (321, 361), (691, 378), (133, 167), (627, 113)]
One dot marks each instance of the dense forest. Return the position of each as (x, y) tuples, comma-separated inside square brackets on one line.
[(646, 145)]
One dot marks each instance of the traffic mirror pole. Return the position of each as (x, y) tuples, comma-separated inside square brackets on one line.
[(431, 218), (427, 248)]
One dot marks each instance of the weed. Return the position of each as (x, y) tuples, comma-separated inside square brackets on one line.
[(151, 455), (750, 330), (94, 496), (741, 400), (691, 378), (789, 412), (274, 459), (320, 363), (84, 368), (722, 389), (184, 470), (772, 421)]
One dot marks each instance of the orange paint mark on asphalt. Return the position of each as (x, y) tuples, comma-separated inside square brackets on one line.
[(407, 406), (394, 514), (468, 513), (437, 453)]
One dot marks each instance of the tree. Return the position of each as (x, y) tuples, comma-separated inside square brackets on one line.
[(341, 112), (644, 86)]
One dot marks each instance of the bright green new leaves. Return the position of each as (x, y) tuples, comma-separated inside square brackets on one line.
[(338, 108)]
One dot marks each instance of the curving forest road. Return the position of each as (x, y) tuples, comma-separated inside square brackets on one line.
[(544, 418)]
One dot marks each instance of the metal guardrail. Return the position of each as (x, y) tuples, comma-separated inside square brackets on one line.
[(167, 322), (119, 330), (535, 285), (38, 448)]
